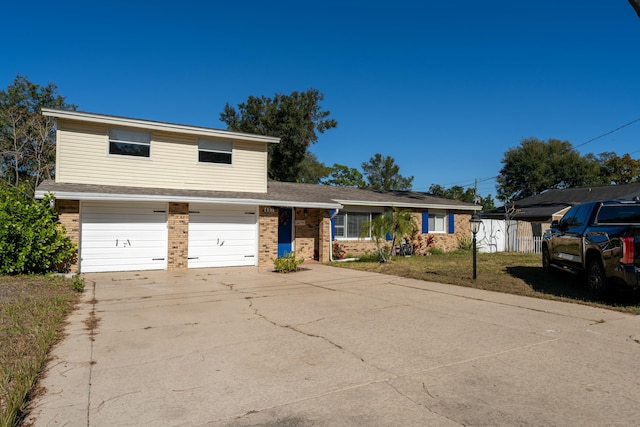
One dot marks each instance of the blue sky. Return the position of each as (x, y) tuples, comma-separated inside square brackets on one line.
[(444, 87)]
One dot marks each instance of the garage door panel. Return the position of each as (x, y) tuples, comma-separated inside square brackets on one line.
[(222, 236), (119, 236)]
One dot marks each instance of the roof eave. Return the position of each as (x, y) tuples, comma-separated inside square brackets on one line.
[(152, 125), (408, 205), (77, 195)]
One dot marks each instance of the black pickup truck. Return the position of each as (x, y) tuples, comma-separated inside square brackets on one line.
[(600, 240)]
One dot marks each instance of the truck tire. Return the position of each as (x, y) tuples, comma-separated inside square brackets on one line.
[(596, 279), (546, 260)]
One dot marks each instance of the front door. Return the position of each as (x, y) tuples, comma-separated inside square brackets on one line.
[(285, 223)]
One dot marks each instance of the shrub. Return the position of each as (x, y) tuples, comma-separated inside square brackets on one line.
[(287, 263), (338, 251), (465, 243), (370, 257), (436, 251), (31, 241)]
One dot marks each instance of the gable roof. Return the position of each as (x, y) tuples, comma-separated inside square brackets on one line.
[(155, 125), (542, 206), (286, 194)]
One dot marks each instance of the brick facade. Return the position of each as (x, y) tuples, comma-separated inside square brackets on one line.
[(312, 233), (421, 242), (178, 230), (69, 218), (267, 235)]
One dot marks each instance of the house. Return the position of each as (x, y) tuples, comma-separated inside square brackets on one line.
[(144, 195), (532, 216)]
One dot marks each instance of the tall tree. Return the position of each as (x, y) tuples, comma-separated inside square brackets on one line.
[(467, 195), (384, 174), (618, 170), (293, 118), (27, 139), (536, 166), (344, 176), (312, 171)]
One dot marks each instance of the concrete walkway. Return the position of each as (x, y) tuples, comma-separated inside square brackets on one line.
[(334, 347)]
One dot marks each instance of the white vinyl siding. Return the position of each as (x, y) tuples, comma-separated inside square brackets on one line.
[(118, 236), (82, 158), (222, 235)]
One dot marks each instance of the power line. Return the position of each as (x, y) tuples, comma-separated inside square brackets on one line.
[(609, 133)]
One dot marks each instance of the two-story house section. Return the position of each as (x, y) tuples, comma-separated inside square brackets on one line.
[(141, 195)]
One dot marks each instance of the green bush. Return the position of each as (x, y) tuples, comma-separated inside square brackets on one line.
[(31, 240), (370, 257), (436, 251), (287, 263), (465, 243)]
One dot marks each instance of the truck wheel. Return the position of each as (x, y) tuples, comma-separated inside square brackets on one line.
[(596, 279), (546, 259)]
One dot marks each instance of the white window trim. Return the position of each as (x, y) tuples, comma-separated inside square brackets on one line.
[(126, 141), (213, 150), (445, 222), (359, 210)]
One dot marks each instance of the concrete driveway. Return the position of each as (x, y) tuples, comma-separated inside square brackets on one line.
[(334, 347)]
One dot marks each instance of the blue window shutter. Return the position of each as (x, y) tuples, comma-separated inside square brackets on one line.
[(452, 224), (333, 223), (425, 222), (388, 236)]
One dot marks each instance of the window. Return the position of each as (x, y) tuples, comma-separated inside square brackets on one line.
[(348, 225), (210, 151), (437, 222), (129, 143)]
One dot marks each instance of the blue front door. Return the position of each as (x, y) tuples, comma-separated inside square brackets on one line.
[(284, 230)]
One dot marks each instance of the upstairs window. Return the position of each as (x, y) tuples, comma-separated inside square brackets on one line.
[(210, 151), (125, 142)]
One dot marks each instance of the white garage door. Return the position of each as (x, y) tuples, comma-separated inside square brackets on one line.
[(222, 235), (119, 236)]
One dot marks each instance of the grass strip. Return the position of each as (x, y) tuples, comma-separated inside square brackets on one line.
[(507, 272), (32, 313)]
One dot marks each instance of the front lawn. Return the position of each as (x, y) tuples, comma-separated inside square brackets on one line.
[(32, 313), (508, 272)]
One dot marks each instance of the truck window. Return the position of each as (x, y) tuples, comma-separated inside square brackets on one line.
[(619, 214), (576, 218)]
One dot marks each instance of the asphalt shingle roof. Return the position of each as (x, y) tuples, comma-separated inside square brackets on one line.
[(278, 193), (542, 206)]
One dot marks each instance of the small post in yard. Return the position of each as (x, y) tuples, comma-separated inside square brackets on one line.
[(474, 222)]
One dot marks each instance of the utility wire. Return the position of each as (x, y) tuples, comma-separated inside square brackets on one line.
[(609, 133)]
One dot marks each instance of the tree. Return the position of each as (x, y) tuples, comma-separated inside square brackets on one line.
[(464, 195), (396, 224), (27, 139), (615, 170), (293, 118), (383, 174), (344, 176), (312, 171), (536, 166), (635, 4)]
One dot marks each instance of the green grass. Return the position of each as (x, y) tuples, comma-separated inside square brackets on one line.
[(507, 272), (32, 313)]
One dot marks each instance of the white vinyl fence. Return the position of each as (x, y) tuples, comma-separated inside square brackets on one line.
[(499, 236)]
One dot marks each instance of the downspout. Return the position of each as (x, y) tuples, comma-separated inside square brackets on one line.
[(331, 235)]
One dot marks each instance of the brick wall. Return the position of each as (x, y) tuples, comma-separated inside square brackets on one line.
[(178, 230), (421, 242), (267, 235), (69, 218)]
